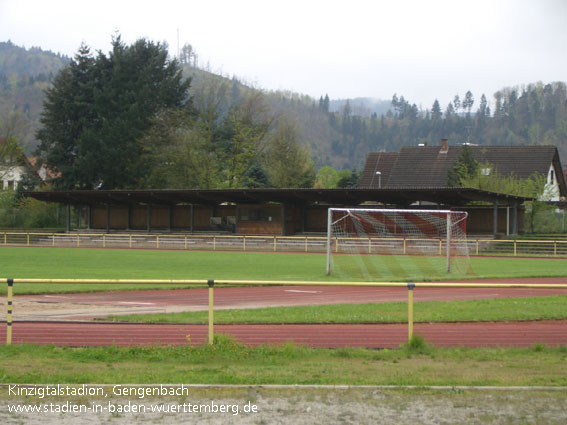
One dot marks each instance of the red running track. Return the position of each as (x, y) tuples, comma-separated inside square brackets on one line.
[(520, 334), (264, 296)]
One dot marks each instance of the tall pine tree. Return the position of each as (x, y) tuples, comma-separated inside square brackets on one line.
[(99, 108)]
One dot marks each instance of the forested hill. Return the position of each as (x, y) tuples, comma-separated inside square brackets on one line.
[(534, 114), (339, 133), (24, 75), (33, 62)]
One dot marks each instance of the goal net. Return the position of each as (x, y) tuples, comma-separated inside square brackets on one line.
[(372, 244)]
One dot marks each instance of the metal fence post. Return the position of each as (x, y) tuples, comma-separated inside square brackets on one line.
[(211, 284), (9, 313), (411, 285)]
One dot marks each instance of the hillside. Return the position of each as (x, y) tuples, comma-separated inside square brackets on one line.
[(338, 132), (24, 75)]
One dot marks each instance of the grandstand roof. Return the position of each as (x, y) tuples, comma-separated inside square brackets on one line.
[(337, 197)]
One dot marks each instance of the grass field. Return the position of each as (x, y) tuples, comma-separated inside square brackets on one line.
[(133, 264), (228, 362), (498, 309)]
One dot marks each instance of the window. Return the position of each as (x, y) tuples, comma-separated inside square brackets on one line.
[(552, 176), (485, 171)]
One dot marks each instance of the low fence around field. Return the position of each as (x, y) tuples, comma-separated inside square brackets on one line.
[(411, 286), (313, 244)]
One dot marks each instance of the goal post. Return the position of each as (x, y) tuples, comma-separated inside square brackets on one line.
[(367, 233)]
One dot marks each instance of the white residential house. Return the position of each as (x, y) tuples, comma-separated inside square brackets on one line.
[(428, 166), (13, 167)]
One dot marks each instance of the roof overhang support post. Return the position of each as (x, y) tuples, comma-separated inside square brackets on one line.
[(515, 218), (192, 219), (68, 221), (129, 218), (89, 214), (149, 218), (495, 218), (107, 218), (169, 217), (283, 221)]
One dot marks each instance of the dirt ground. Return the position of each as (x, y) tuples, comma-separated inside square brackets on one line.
[(32, 310), (302, 406)]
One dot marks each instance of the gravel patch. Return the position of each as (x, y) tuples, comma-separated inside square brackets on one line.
[(307, 406)]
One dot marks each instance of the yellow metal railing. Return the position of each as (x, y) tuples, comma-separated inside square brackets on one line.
[(250, 243), (411, 286)]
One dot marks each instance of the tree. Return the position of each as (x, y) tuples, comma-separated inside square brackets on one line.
[(188, 56), (68, 113), (436, 113), (483, 108), (487, 177), (348, 179), (13, 124), (450, 111), (468, 102), (327, 178), (457, 103), (100, 107), (464, 169), (245, 130), (256, 177), (326, 103), (179, 153), (287, 161), (11, 155)]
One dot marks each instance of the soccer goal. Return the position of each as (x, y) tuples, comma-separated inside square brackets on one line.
[(379, 243)]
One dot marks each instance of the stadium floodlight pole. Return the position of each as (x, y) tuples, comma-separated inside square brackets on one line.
[(329, 227)]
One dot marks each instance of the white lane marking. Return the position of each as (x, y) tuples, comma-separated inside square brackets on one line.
[(55, 296), (303, 292), (134, 302)]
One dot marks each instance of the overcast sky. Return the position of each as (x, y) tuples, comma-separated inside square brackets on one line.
[(419, 49)]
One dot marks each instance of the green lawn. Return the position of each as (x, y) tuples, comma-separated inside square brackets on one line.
[(498, 309), (227, 362), (146, 264)]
